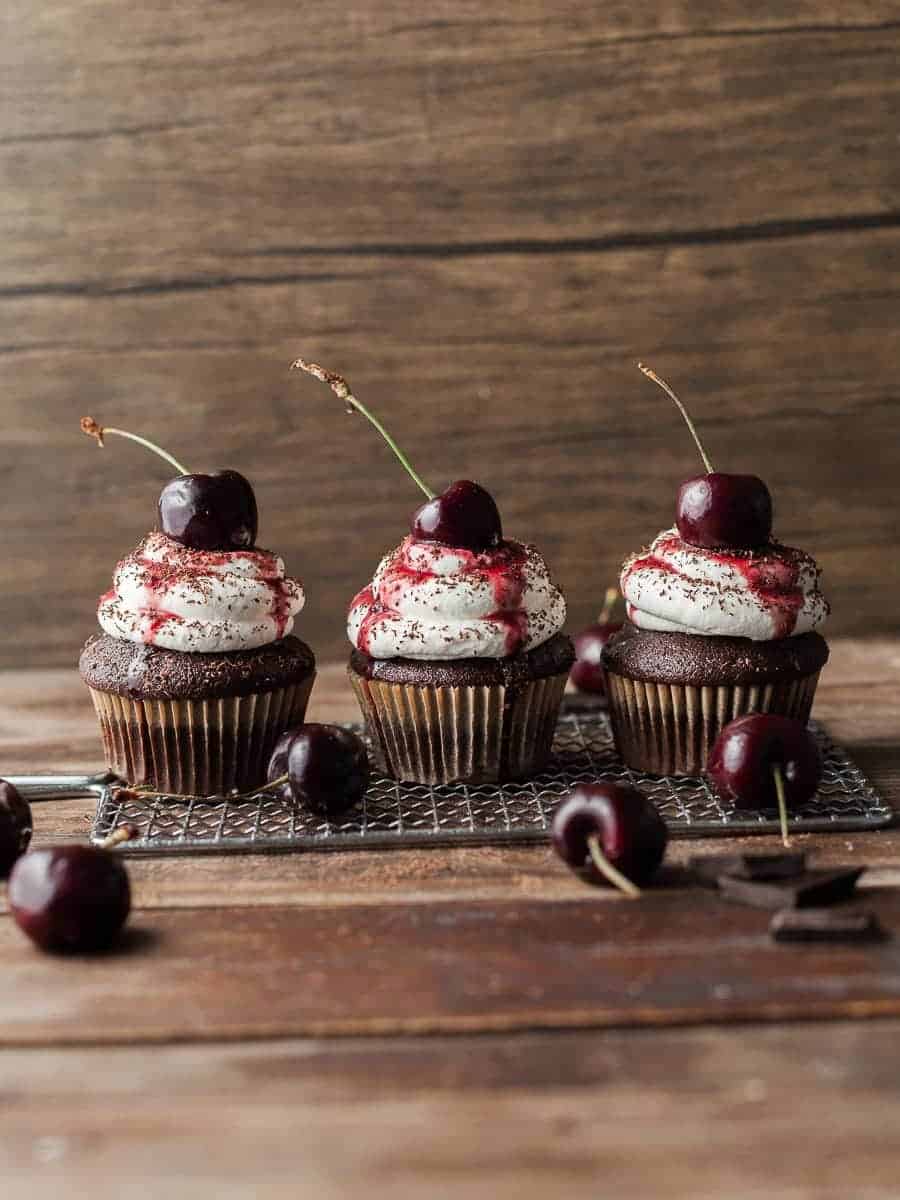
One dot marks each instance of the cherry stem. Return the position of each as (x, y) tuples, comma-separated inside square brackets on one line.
[(782, 803), (146, 793), (609, 872), (93, 429), (341, 389), (610, 600), (684, 412), (125, 833)]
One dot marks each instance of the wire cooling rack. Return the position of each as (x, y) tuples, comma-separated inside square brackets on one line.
[(404, 814)]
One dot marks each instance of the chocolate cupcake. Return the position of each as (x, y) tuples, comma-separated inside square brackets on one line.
[(722, 621), (196, 674), (189, 723), (671, 693), (473, 720), (458, 665)]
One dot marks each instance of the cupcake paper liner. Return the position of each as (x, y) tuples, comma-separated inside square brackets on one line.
[(472, 734), (197, 747), (669, 729)]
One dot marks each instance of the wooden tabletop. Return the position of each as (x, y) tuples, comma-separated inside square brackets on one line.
[(259, 1034)]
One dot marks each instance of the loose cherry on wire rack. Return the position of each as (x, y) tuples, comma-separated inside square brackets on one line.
[(15, 826), (587, 673), (716, 510), (609, 833), (324, 768), (464, 516), (765, 761), (71, 898), (208, 512)]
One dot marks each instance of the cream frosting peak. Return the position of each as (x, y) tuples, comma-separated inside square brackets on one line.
[(679, 588), (430, 601), (207, 602)]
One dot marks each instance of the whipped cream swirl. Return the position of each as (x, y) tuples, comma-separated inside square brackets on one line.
[(679, 588), (200, 601), (430, 601)]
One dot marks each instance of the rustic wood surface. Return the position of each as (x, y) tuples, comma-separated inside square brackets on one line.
[(484, 219), (195, 1059), (800, 1112)]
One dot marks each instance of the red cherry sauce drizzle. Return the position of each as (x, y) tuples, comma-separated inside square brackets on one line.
[(773, 582), (398, 579), (772, 578), (159, 577), (377, 614), (281, 605), (153, 616), (507, 579), (503, 568)]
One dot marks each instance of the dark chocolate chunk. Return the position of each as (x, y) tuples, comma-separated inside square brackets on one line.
[(709, 867), (825, 925), (809, 890)]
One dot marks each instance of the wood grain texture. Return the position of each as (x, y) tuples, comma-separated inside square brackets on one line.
[(680, 956), (523, 377), (458, 127), (680, 1113), (484, 220), (267, 972), (451, 939), (675, 1111)]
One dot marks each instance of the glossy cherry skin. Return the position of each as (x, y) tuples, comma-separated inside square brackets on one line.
[(464, 516), (587, 673), (632, 834), (719, 511), (740, 764), (70, 898), (15, 826), (209, 512), (327, 768)]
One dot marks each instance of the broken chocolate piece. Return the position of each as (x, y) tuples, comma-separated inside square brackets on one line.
[(809, 890), (825, 925), (709, 867)]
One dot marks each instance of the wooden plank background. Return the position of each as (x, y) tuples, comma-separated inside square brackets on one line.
[(483, 215)]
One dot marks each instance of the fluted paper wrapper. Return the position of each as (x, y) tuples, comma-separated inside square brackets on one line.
[(473, 734), (669, 729), (197, 747)]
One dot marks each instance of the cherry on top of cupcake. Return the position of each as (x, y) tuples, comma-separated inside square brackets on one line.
[(206, 512), (719, 511), (464, 516)]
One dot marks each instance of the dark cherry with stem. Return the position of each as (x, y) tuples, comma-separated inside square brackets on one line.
[(610, 834), (324, 768), (214, 512), (715, 510), (766, 761), (587, 672), (71, 898), (465, 515), (209, 512), (15, 826)]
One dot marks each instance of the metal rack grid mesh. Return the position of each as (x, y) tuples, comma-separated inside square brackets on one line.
[(404, 814)]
